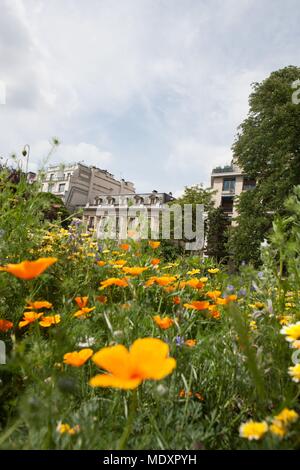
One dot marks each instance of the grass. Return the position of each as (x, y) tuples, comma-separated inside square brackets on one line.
[(237, 370)]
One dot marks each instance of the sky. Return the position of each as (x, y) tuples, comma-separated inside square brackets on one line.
[(151, 90)]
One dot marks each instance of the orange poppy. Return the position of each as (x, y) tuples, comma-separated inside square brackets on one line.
[(154, 244), (135, 271), (82, 301), (78, 358), (125, 246), (190, 343), (29, 269), (147, 359), (176, 300), (101, 263), (163, 323), (114, 281), (38, 304), (161, 281), (49, 321), (214, 294), (194, 282), (5, 325), (83, 312), (155, 261), (102, 299), (29, 317), (197, 305)]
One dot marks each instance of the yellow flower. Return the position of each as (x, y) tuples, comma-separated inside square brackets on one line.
[(277, 429), (258, 305), (64, 428), (213, 270), (50, 320), (135, 271), (78, 358), (163, 323), (253, 430), (29, 269), (285, 319), (292, 331), (193, 272), (147, 359), (296, 344), (253, 325), (118, 262), (287, 416), (114, 281), (203, 279), (294, 372)]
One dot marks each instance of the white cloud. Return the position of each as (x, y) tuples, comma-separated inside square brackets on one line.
[(148, 88), (82, 152)]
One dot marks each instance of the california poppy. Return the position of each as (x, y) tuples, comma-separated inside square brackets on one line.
[(29, 269), (147, 359)]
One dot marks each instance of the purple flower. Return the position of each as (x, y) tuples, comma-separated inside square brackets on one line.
[(230, 288), (260, 275), (242, 292), (179, 340)]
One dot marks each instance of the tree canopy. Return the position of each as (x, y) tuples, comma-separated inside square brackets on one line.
[(267, 147)]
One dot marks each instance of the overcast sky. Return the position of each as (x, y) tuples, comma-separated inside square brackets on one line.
[(152, 90)]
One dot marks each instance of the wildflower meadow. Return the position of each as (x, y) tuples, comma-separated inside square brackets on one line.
[(113, 345)]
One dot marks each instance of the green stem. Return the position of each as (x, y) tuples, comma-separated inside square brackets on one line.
[(128, 427)]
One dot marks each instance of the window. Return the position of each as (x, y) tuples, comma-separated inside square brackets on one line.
[(50, 187), (229, 184), (227, 204), (248, 183), (51, 176), (61, 187)]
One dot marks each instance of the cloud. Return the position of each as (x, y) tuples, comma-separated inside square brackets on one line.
[(42, 154), (153, 90)]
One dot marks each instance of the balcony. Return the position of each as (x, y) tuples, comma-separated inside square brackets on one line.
[(224, 169)]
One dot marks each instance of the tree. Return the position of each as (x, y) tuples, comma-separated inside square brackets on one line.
[(267, 147), (217, 234), (192, 195)]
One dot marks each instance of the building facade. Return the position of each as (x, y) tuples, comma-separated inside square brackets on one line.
[(229, 182), (78, 184), (114, 208)]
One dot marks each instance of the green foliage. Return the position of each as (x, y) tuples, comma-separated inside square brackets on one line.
[(217, 234), (235, 371), (268, 149)]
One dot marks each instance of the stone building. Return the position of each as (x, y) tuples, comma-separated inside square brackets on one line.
[(78, 184), (229, 182), (114, 208)]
